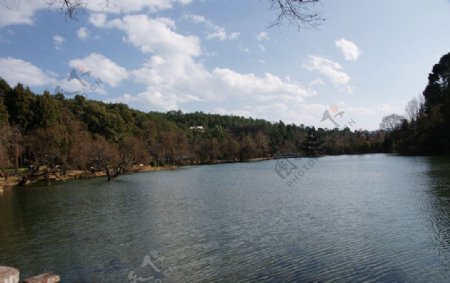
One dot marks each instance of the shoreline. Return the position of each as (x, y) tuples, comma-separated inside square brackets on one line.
[(13, 181)]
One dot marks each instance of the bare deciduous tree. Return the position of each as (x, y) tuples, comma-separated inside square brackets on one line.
[(104, 156), (412, 109), (297, 12), (70, 7), (391, 122)]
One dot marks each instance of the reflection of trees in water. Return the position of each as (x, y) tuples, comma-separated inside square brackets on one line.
[(439, 202), (8, 222)]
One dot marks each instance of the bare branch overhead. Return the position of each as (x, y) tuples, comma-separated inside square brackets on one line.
[(299, 13)]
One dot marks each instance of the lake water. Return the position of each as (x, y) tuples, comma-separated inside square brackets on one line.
[(374, 218)]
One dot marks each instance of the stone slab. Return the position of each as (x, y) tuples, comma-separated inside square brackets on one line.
[(9, 275)]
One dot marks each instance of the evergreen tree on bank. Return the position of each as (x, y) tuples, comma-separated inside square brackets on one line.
[(427, 131)]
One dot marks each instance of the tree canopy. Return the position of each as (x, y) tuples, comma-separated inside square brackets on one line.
[(428, 129), (48, 129), (391, 122)]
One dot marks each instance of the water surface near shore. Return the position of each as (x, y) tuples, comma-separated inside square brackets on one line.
[(348, 218)]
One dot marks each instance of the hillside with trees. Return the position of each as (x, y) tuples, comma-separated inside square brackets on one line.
[(51, 131)]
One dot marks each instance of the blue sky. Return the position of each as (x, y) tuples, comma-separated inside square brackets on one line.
[(368, 59)]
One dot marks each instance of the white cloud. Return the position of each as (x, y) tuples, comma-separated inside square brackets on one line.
[(58, 41), (170, 92), (235, 112), (132, 6), (261, 47), (244, 49), (198, 19), (213, 31), (234, 35), (98, 19), (219, 33), (386, 108), (83, 33), (262, 36), (330, 69), (13, 12), (264, 110), (156, 35), (148, 98), (174, 76), (316, 82), (173, 81), (73, 87), (301, 113), (367, 111), (18, 71), (264, 88), (349, 49), (102, 68)]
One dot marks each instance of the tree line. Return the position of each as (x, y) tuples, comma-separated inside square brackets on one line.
[(52, 131), (425, 130)]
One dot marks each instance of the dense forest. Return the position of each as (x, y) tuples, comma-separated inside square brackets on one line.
[(426, 129), (76, 133), (51, 131)]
